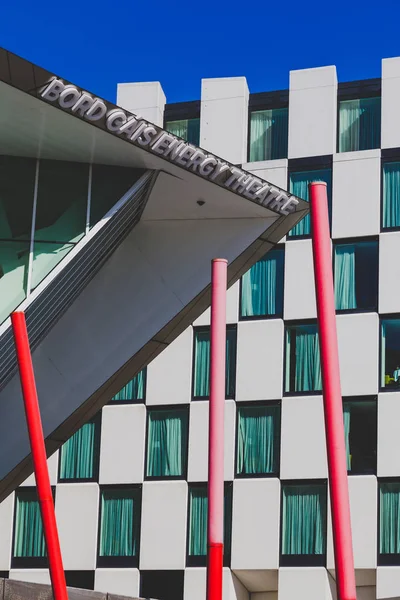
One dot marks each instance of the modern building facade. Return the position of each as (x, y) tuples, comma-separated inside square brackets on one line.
[(130, 485)]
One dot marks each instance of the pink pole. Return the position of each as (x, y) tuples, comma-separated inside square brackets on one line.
[(334, 428), (216, 430)]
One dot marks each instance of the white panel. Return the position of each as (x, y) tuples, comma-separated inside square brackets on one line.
[(143, 99), (169, 375), (389, 272), (232, 308), (312, 112), (77, 511), (356, 193), (299, 300), (52, 464), (163, 531), (31, 575), (363, 509), (358, 353), (117, 581), (303, 448), (312, 583), (388, 583), (388, 434), (198, 440), (255, 524), (259, 360), (274, 171), (122, 444), (390, 127), (195, 584), (224, 117), (6, 525)]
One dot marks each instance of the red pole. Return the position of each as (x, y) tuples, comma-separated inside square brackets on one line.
[(334, 428), (38, 450), (216, 430)]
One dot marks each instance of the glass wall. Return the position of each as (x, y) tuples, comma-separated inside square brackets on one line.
[(356, 275), (298, 183), (390, 353), (29, 546), (303, 364), (188, 129), (389, 523), (262, 287), (391, 195), (201, 375), (79, 456), (268, 134), (167, 437), (258, 439), (359, 124), (134, 391), (360, 431)]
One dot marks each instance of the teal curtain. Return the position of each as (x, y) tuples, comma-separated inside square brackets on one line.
[(268, 134), (299, 187), (389, 542), (117, 532), (346, 421), (359, 124), (391, 194), (256, 440), (345, 276), (134, 390), (198, 522), (307, 367), (202, 364), (29, 538), (77, 454), (262, 286), (304, 520), (166, 446), (188, 129)]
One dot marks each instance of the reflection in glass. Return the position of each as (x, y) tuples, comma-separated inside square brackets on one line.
[(109, 184), (17, 181), (14, 259), (45, 257)]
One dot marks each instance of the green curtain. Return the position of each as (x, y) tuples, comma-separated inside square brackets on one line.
[(304, 520), (198, 522), (77, 454), (134, 390), (262, 286), (391, 194), (389, 542), (359, 124), (257, 448), (202, 364), (29, 538), (187, 129), (307, 368), (345, 276), (299, 187), (166, 446), (268, 134), (346, 421), (117, 532)]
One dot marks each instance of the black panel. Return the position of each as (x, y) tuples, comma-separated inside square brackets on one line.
[(268, 100), (80, 579), (163, 585), (365, 88), (182, 110)]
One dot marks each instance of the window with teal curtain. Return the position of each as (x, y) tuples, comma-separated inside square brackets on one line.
[(298, 183), (268, 134), (79, 454), (197, 529), (356, 275), (359, 124), (390, 354), (134, 390), (119, 525), (201, 376), (262, 287), (303, 364), (188, 129), (391, 195), (28, 530), (167, 442), (360, 431), (389, 522), (258, 439), (303, 520)]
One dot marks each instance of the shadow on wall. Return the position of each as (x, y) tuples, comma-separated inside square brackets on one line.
[(21, 590)]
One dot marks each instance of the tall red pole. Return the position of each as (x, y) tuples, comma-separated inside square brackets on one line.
[(38, 450), (216, 430), (334, 428)]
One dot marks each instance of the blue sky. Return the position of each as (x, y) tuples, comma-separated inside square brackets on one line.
[(96, 44)]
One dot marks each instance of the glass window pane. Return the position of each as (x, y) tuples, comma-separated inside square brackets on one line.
[(356, 276), (390, 353), (62, 201), (201, 379), (14, 260), (389, 515), (268, 134), (299, 186), (198, 507), (262, 286), (46, 256), (391, 195), (167, 443), (359, 124), (17, 184), (187, 129), (132, 391), (303, 365), (78, 454), (304, 519), (360, 431), (109, 184), (257, 439), (119, 522), (28, 534)]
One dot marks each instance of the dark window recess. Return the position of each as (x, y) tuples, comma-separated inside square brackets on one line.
[(17, 181), (201, 362), (356, 275), (80, 579), (390, 353), (302, 357), (4, 574), (163, 585), (360, 428)]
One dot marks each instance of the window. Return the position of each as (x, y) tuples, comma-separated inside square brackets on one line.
[(390, 353), (134, 391), (258, 435), (268, 134), (389, 523), (359, 124), (83, 580), (298, 184), (303, 535), (120, 511), (79, 456), (201, 377), (391, 195), (164, 585), (262, 287), (356, 275), (303, 365), (197, 527), (188, 129), (360, 430), (167, 439), (29, 548)]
